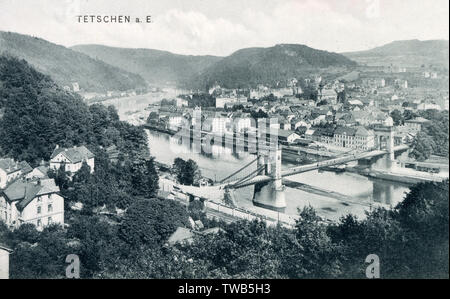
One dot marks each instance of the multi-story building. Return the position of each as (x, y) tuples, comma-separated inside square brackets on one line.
[(221, 102), (354, 137), (32, 201), (71, 158), (416, 124), (175, 121)]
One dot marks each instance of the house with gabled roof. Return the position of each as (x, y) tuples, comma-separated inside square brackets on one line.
[(36, 201), (71, 158), (11, 170)]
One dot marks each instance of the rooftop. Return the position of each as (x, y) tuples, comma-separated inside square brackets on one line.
[(74, 154), (25, 191), (9, 165)]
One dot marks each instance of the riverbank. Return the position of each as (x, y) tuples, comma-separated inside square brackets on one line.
[(404, 177)]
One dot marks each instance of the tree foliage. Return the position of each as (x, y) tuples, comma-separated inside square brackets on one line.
[(187, 172), (38, 115)]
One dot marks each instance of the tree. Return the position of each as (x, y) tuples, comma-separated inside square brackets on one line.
[(83, 175), (397, 116), (61, 176), (188, 172), (318, 255), (259, 114), (144, 178), (45, 258), (150, 222), (424, 217), (422, 147), (438, 130)]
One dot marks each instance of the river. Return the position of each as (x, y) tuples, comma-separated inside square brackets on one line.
[(364, 193)]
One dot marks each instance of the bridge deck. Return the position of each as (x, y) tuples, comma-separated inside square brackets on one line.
[(314, 166)]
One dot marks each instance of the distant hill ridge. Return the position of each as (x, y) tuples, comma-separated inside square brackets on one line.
[(244, 67), (155, 66), (66, 66), (101, 68), (248, 67), (406, 53)]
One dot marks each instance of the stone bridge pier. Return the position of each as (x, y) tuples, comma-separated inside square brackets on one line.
[(270, 195), (384, 140)]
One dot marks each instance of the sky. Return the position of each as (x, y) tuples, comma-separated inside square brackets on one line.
[(220, 27)]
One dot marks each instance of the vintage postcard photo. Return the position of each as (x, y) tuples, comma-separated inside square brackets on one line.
[(238, 139)]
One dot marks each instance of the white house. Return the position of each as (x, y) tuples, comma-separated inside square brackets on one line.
[(176, 121), (287, 136), (356, 137), (416, 123), (32, 201), (38, 172), (221, 102), (11, 170), (72, 158), (4, 262)]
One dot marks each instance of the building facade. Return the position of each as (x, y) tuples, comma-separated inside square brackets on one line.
[(71, 158), (32, 201)]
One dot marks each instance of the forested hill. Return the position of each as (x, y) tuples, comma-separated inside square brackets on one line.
[(36, 115), (248, 67), (406, 53), (157, 67), (66, 66)]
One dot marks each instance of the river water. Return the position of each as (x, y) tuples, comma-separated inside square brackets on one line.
[(364, 193)]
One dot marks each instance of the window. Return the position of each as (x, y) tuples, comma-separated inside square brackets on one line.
[(39, 223), (50, 208), (39, 210), (39, 199), (49, 219)]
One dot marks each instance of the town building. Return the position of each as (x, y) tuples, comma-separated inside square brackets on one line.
[(32, 201), (11, 170), (416, 124), (354, 137), (428, 106), (287, 136), (222, 102), (175, 121), (38, 172), (4, 261), (71, 158)]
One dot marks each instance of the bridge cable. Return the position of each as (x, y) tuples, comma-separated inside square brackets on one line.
[(248, 177), (236, 172)]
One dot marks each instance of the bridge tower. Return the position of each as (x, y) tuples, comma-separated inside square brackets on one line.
[(384, 140), (270, 195)]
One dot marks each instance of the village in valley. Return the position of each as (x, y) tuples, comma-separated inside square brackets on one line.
[(282, 161)]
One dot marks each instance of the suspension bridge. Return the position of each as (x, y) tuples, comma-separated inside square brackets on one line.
[(268, 175)]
